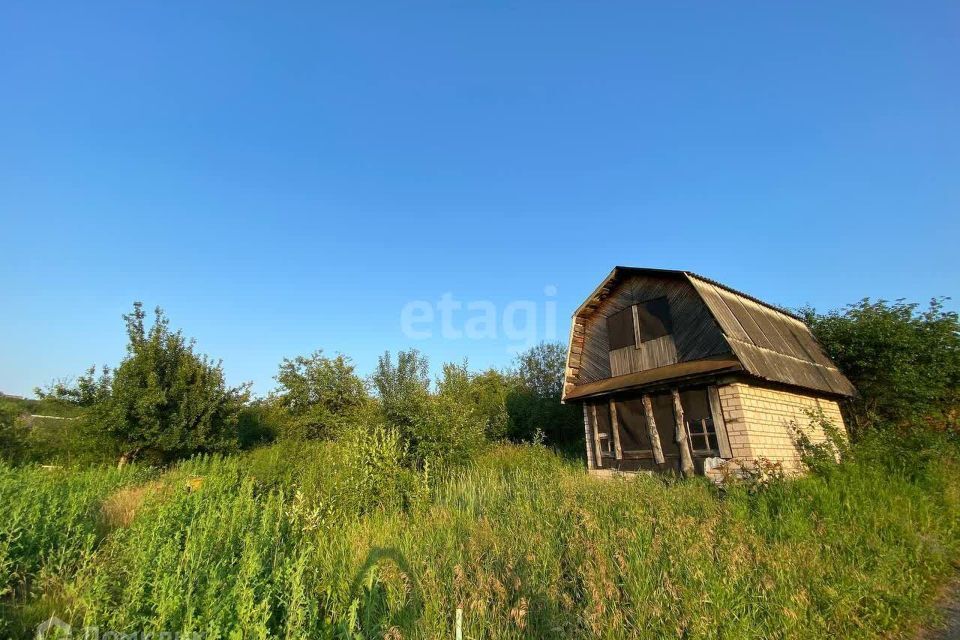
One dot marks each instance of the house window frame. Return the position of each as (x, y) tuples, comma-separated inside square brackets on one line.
[(707, 434), (638, 342), (633, 312)]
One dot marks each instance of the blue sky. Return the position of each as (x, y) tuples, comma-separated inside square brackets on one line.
[(287, 177)]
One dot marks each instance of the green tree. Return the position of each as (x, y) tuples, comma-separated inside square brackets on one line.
[(541, 369), (485, 393), (534, 405), (87, 390), (165, 399), (403, 388), (904, 361), (440, 429), (319, 393)]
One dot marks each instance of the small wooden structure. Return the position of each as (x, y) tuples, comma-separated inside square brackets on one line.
[(674, 370)]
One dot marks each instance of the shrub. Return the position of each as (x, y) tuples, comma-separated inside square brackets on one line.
[(905, 362), (484, 393), (821, 454), (534, 402), (442, 429), (320, 395), (403, 389)]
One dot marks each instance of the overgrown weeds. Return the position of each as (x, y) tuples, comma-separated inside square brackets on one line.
[(344, 539)]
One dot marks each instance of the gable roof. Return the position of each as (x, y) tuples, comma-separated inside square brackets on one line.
[(769, 342)]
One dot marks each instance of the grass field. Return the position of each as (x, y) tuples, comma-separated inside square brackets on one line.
[(319, 540)]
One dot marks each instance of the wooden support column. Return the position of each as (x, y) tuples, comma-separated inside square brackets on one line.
[(615, 424), (598, 456), (652, 430), (588, 437), (686, 460), (719, 424)]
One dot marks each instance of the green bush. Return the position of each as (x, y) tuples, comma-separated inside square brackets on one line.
[(320, 396), (534, 405), (441, 429), (905, 362), (163, 402)]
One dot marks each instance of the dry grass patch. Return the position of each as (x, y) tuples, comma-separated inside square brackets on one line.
[(121, 507)]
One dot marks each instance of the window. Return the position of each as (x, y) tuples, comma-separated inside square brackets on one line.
[(620, 329), (639, 323), (703, 435), (653, 319)]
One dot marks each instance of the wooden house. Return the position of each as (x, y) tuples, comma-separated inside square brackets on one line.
[(675, 371)]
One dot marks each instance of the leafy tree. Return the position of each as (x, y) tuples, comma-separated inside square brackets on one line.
[(165, 399), (87, 391), (440, 429), (485, 393), (319, 393), (904, 361), (541, 369), (403, 388), (534, 404)]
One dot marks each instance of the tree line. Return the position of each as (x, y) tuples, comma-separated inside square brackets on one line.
[(165, 401)]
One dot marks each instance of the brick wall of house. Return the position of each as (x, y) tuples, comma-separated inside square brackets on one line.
[(758, 420)]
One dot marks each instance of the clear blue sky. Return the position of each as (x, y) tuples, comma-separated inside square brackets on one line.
[(284, 177)]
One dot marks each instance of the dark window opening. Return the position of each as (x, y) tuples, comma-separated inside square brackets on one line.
[(604, 426), (634, 434), (653, 319), (620, 329), (703, 435), (699, 421)]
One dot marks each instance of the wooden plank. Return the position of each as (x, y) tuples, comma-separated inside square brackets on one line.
[(686, 460), (719, 424), (655, 353), (596, 437), (652, 430), (621, 361), (588, 437), (615, 427)]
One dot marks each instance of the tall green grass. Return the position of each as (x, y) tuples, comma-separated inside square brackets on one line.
[(325, 540), (51, 522)]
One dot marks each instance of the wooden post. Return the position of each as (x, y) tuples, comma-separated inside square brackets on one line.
[(588, 438), (652, 430), (615, 423), (719, 424), (596, 437), (686, 461)]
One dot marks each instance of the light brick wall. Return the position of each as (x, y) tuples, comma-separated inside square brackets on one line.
[(758, 421)]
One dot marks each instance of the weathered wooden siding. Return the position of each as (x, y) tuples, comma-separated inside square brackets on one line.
[(648, 355), (695, 333)]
